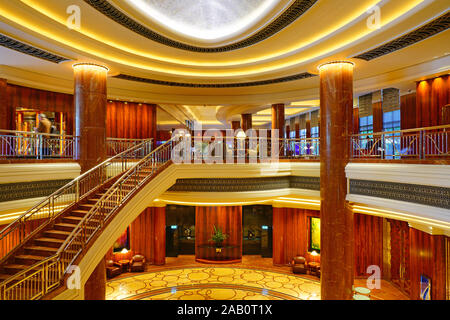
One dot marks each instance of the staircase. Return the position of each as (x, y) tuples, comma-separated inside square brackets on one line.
[(47, 241), (40, 262)]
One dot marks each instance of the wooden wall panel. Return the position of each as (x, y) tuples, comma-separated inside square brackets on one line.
[(368, 243), (13, 239), (428, 258), (408, 111), (147, 237), (229, 219), (377, 117), (400, 253), (5, 109), (19, 96), (355, 120), (291, 234), (432, 96), (131, 120)]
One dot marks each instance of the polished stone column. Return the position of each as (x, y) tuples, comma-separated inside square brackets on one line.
[(4, 107), (246, 120), (278, 119), (235, 125), (336, 109), (95, 287), (90, 114)]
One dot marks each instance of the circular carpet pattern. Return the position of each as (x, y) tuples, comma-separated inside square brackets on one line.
[(213, 283)]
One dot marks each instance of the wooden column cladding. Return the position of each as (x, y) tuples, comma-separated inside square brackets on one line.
[(336, 110), (90, 114), (229, 219), (355, 120), (408, 111), (5, 110), (377, 117), (95, 286), (131, 120), (278, 122), (246, 120), (235, 125), (431, 97), (291, 234)]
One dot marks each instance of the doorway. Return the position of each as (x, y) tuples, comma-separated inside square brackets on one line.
[(257, 230), (180, 230)]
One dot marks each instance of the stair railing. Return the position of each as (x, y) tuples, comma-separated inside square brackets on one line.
[(48, 209), (42, 277)]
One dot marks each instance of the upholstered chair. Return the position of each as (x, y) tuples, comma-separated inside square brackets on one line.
[(137, 263), (113, 269), (299, 265)]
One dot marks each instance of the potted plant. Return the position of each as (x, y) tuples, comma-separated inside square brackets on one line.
[(218, 237)]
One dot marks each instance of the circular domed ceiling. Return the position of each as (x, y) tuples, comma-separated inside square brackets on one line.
[(205, 20)]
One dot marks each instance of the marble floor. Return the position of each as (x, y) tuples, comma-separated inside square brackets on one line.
[(255, 278)]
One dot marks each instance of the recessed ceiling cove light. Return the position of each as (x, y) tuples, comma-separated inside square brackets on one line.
[(206, 20)]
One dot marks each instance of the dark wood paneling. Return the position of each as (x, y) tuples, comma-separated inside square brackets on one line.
[(95, 286), (355, 120), (400, 252), (131, 120), (5, 110), (291, 234), (246, 121), (408, 111), (147, 237), (432, 96), (368, 243), (427, 258), (229, 219), (13, 239), (278, 117), (42, 100), (377, 117)]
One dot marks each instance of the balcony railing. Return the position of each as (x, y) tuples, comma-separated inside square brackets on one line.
[(117, 145), (416, 144), (32, 145)]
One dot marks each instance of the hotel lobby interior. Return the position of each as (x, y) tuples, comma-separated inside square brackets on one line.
[(224, 150)]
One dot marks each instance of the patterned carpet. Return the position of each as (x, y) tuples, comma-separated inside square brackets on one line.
[(213, 283)]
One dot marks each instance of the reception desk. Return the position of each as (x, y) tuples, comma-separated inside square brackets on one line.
[(207, 253)]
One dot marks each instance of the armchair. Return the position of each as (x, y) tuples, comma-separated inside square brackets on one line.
[(137, 263), (113, 269), (299, 265)]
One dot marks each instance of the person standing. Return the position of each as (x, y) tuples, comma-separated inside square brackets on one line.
[(44, 128)]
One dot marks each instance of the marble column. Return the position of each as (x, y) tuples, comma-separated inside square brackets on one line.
[(246, 120), (4, 107), (278, 122), (90, 114), (336, 110), (235, 125), (95, 287)]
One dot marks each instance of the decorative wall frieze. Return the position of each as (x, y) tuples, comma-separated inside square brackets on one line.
[(13, 44), (430, 29), (245, 184), (31, 189), (420, 194), (300, 76)]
